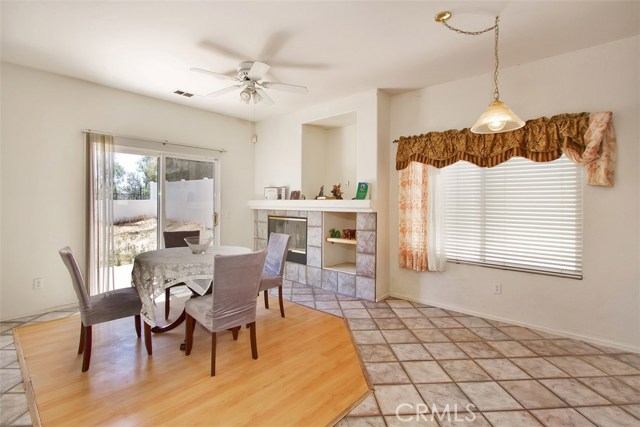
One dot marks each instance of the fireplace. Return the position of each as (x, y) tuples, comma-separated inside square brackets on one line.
[(297, 229)]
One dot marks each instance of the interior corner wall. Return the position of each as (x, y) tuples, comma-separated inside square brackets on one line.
[(42, 173), (383, 230), (340, 153), (313, 151), (603, 307)]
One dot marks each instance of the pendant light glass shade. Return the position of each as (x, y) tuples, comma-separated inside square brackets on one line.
[(497, 118)]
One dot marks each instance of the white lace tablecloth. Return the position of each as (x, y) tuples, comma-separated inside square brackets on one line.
[(154, 271)]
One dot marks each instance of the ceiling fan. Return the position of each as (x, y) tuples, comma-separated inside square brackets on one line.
[(249, 83)]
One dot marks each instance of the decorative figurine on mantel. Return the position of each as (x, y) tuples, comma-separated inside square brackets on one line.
[(321, 193), (337, 192)]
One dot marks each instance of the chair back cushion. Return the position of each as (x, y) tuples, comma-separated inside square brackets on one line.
[(76, 277), (276, 254), (175, 239), (235, 286)]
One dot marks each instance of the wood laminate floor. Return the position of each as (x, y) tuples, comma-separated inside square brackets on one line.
[(308, 373)]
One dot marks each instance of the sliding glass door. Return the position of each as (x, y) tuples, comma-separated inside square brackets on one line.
[(142, 209)]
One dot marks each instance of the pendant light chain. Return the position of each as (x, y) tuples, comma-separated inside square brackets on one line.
[(496, 92), (471, 33), (254, 135)]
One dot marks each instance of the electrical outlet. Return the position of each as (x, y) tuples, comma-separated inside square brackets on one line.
[(497, 288), (38, 283)]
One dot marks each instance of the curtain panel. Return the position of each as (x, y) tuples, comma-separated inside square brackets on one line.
[(412, 224), (586, 138), (100, 212)]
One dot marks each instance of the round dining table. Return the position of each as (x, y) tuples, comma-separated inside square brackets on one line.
[(154, 271)]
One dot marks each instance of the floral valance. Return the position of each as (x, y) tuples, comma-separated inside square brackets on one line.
[(586, 138)]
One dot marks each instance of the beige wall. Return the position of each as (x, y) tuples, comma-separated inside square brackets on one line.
[(328, 158), (313, 149), (605, 305), (340, 164), (43, 173), (279, 148)]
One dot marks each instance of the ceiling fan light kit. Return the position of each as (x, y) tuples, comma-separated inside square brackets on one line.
[(249, 84), (497, 117), (245, 95)]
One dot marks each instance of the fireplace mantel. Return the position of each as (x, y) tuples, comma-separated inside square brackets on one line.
[(314, 205)]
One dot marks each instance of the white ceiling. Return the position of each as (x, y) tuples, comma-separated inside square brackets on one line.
[(333, 48)]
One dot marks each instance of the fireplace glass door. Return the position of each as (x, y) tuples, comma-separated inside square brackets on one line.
[(297, 229)]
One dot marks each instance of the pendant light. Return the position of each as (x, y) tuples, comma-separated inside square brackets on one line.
[(497, 117)]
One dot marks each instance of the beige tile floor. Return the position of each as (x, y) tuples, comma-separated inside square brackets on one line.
[(435, 367)]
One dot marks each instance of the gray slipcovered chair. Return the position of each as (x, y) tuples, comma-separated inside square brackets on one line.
[(274, 267), (101, 308), (232, 302), (175, 239)]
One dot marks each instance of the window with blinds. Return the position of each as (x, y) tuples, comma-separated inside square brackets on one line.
[(518, 215)]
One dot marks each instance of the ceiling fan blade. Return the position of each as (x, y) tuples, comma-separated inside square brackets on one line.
[(258, 70), (273, 45), (223, 91), (266, 99), (222, 49), (214, 74), (285, 86), (307, 66)]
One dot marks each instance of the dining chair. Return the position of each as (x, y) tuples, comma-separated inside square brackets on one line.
[(101, 308), (274, 267), (232, 302), (175, 239)]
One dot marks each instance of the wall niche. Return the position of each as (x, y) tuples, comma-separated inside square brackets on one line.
[(329, 155)]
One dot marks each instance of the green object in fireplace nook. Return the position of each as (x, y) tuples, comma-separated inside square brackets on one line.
[(335, 234)]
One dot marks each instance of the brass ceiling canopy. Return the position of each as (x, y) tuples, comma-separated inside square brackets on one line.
[(442, 16)]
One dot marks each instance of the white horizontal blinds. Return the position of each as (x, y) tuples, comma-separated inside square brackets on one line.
[(519, 214)]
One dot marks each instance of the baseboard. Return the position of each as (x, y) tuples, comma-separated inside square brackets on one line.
[(43, 311), (559, 332), (382, 297)]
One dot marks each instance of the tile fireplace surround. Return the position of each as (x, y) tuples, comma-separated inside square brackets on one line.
[(362, 284)]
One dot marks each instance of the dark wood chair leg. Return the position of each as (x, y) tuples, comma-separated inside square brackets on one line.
[(280, 301), (147, 338), (266, 299), (86, 359), (81, 345), (137, 321), (234, 332), (254, 343), (167, 303), (213, 354), (191, 323)]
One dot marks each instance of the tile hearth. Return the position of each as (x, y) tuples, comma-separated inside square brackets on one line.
[(418, 356)]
